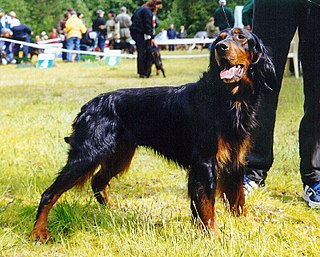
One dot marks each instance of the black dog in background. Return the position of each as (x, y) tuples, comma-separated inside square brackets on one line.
[(205, 127), (154, 57)]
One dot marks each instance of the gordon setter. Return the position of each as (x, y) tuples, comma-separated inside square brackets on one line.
[(154, 57), (205, 127)]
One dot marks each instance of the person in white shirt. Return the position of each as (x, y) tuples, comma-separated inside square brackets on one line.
[(14, 20)]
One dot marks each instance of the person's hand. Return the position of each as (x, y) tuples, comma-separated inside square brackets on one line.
[(153, 43)]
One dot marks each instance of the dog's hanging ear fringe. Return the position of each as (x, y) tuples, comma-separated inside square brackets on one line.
[(267, 69)]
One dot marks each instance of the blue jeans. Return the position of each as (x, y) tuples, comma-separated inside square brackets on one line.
[(101, 42), (8, 50), (73, 41)]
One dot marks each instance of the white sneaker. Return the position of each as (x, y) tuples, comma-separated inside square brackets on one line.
[(312, 195), (249, 186)]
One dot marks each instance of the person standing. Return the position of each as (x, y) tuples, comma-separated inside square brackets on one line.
[(5, 29), (276, 22), (98, 26), (142, 31), (5, 20), (223, 16), (182, 33), (211, 28), (74, 29), (113, 30), (172, 34), (62, 35), (125, 22)]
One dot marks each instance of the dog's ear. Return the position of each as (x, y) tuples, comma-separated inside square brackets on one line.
[(262, 64), (213, 65)]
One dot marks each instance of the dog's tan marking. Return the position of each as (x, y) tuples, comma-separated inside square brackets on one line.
[(244, 148), (223, 153), (40, 231)]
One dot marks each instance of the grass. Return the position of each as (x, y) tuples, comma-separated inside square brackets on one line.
[(151, 216)]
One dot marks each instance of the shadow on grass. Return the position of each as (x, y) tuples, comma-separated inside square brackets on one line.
[(285, 197)]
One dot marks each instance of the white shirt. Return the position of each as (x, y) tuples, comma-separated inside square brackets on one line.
[(15, 22)]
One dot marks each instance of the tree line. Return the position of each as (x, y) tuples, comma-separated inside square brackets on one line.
[(43, 15)]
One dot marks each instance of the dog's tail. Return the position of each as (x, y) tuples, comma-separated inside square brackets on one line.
[(89, 119)]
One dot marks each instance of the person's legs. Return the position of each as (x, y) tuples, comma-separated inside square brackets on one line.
[(77, 48), (64, 54), (309, 133), (16, 49), (101, 42), (275, 26), (25, 48), (70, 42), (9, 51), (141, 49)]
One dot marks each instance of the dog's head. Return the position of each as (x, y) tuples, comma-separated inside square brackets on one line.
[(239, 57), (154, 53)]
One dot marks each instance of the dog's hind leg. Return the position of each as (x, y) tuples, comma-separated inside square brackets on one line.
[(162, 70), (75, 172), (111, 166)]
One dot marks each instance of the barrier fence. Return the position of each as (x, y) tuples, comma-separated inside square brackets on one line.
[(50, 47)]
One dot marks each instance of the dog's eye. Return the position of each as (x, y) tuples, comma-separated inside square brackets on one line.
[(241, 37)]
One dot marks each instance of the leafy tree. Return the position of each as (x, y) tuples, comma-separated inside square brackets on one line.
[(44, 14)]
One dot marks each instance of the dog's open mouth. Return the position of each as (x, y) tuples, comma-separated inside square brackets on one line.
[(233, 74)]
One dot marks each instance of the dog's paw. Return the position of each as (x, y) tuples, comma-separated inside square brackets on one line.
[(40, 235)]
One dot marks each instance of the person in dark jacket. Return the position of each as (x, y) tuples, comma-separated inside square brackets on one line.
[(142, 31), (98, 26), (172, 34), (21, 33), (223, 16)]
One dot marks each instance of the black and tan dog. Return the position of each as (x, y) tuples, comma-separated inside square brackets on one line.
[(204, 127), (154, 58)]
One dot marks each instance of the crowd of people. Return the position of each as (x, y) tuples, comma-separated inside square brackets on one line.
[(71, 31), (11, 27), (112, 30)]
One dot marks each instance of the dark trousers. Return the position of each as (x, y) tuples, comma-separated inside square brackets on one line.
[(276, 24), (141, 45), (64, 54), (25, 49)]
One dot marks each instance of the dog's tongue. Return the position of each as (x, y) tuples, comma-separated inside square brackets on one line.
[(228, 73)]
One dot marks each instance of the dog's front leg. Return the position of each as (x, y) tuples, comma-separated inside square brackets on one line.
[(202, 187)]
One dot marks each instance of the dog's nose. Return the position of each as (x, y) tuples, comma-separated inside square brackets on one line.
[(222, 47)]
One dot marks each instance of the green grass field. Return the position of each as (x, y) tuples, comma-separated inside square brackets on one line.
[(151, 216)]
